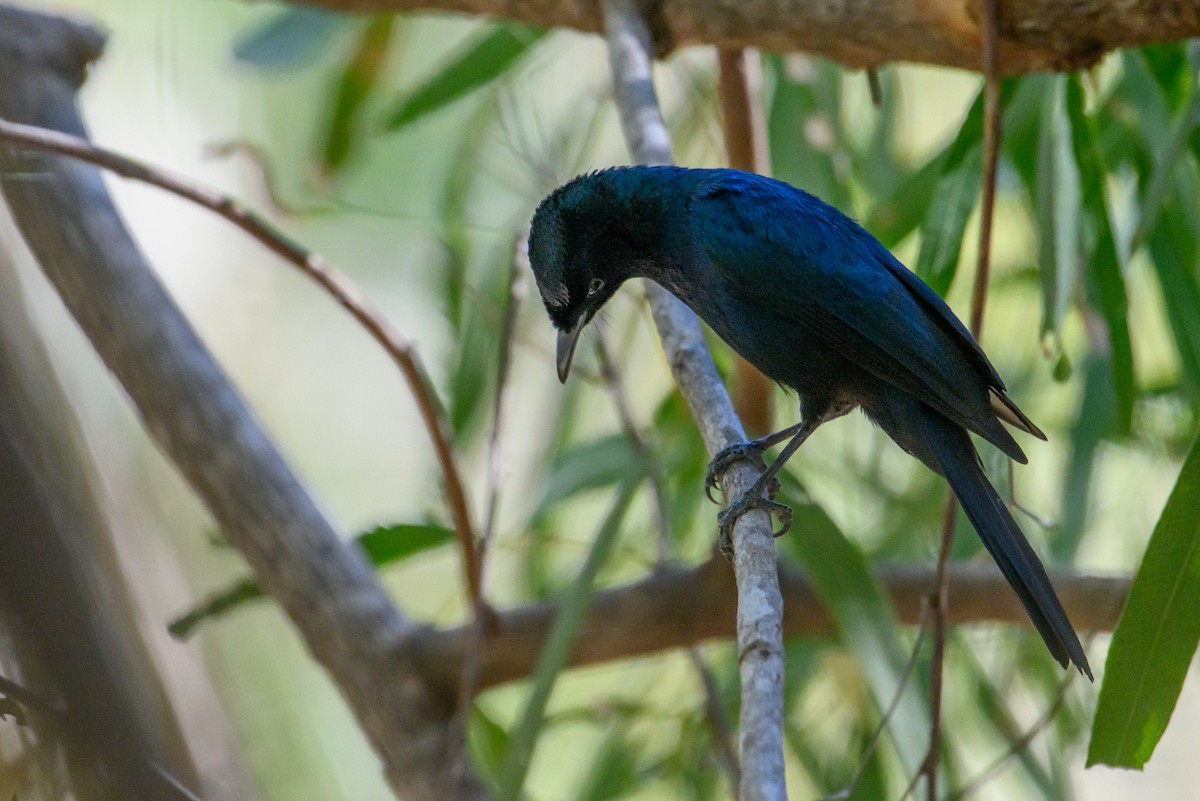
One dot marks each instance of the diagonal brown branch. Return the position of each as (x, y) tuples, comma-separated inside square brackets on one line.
[(68, 219), (328, 277)]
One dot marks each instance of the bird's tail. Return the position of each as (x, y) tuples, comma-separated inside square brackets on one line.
[(947, 448)]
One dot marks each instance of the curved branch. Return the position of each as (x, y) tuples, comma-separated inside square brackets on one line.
[(335, 283), (1035, 35)]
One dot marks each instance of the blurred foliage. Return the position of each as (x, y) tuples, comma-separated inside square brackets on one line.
[(1097, 242)]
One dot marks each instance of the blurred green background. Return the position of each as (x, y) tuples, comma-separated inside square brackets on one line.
[(334, 127)]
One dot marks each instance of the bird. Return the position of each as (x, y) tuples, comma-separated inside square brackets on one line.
[(817, 304)]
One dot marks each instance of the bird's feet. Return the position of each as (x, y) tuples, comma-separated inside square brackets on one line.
[(751, 452), (730, 514)]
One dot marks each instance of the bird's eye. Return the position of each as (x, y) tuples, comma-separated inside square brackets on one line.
[(595, 286)]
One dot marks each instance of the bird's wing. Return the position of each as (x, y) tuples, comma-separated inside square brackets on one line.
[(807, 263)]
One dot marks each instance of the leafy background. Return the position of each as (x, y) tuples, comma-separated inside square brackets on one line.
[(411, 151)]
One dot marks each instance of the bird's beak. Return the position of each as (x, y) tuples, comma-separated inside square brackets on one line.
[(566, 346)]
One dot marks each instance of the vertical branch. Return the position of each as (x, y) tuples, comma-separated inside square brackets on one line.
[(739, 83), (760, 605), (991, 156)]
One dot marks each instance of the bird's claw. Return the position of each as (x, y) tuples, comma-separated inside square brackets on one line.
[(751, 451), (730, 514)]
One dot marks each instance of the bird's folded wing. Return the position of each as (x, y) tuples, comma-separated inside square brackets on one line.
[(842, 290)]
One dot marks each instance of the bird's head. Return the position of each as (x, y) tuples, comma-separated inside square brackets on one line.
[(578, 258)]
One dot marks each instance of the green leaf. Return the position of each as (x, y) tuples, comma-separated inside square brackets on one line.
[(897, 215), (1056, 210), (478, 62), (866, 623), (487, 741), (599, 463), (388, 544), (954, 198), (382, 546), (613, 772), (357, 82), (290, 39), (1106, 284), (557, 647), (803, 126), (1157, 635)]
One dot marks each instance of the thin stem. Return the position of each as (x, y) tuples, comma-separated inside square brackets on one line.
[(1021, 743), (991, 156), (328, 277), (739, 79), (893, 705), (714, 712), (484, 618), (641, 451)]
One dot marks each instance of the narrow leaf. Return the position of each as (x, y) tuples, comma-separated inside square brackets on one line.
[(592, 465), (803, 126), (945, 223), (1157, 634), (357, 82), (557, 648), (293, 37), (481, 60), (866, 622), (1106, 284), (1056, 210)]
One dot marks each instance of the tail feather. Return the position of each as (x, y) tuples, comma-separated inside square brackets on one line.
[(946, 447), (1004, 540)]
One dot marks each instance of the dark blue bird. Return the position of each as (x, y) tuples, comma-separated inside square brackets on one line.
[(816, 303)]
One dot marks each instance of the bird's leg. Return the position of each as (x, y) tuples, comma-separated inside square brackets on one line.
[(751, 451), (753, 498)]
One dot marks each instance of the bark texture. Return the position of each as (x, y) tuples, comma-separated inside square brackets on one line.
[(68, 219), (1035, 35)]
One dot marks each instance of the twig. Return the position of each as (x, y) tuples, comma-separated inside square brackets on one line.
[(189, 408), (484, 618), (328, 277), (991, 156), (905, 677), (718, 721), (760, 605), (941, 604), (1021, 743), (641, 451), (714, 712)]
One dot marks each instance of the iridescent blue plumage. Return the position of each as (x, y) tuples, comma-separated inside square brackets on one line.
[(814, 301)]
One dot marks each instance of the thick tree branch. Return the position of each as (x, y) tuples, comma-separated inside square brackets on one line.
[(327, 589), (1035, 35), (679, 607)]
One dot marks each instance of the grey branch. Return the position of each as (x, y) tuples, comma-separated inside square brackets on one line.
[(68, 219), (759, 603), (678, 607), (1035, 35)]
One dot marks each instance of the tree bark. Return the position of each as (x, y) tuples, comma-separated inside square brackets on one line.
[(678, 607), (331, 595), (1035, 35)]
